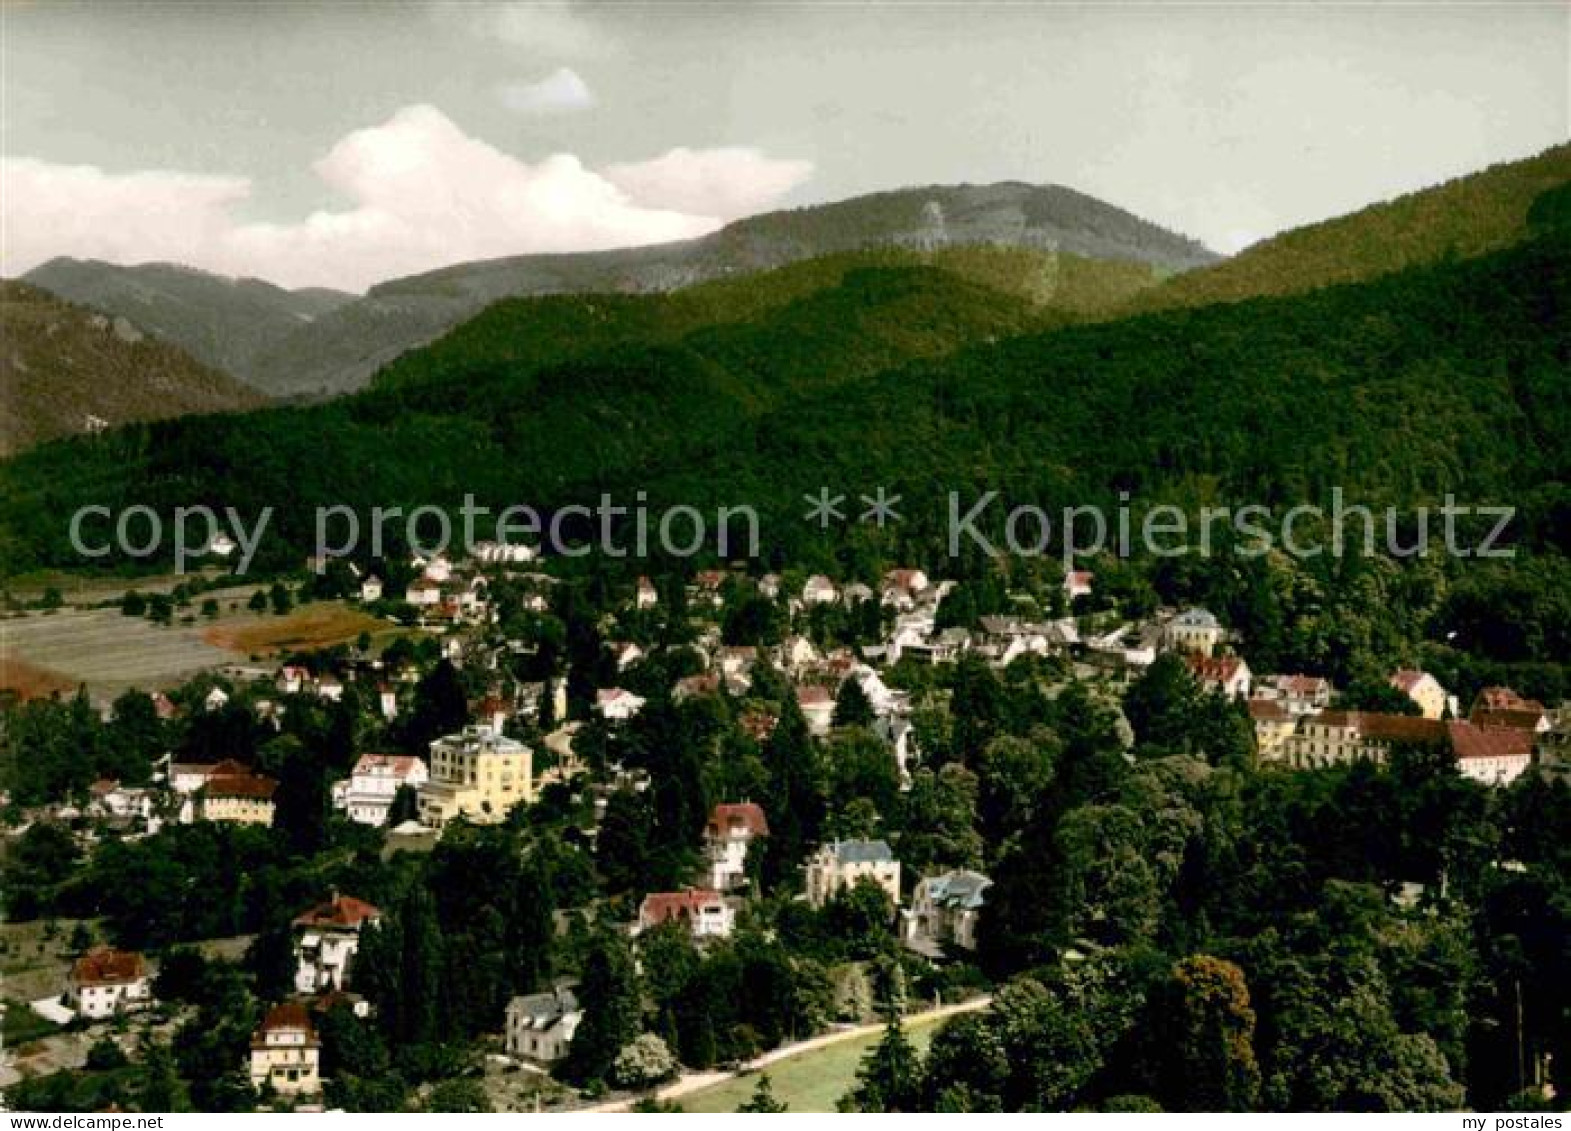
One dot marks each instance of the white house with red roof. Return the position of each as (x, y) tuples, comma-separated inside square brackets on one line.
[(367, 794), (728, 836), (326, 939), (645, 595), (617, 704), (106, 982), (1491, 755), (1077, 583), (818, 707), (1227, 675), (1298, 694), (705, 914)]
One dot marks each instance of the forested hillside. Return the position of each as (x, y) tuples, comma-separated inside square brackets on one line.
[(1471, 215), (65, 370), (1449, 378)]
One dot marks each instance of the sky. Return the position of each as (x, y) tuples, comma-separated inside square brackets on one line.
[(339, 144)]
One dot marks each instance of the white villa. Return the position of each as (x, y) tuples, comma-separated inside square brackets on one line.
[(367, 794), (328, 937)]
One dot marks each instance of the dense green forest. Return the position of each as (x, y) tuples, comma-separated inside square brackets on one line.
[(1443, 378), (1471, 215)]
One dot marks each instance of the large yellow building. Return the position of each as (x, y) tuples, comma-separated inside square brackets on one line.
[(1423, 689), (234, 794), (479, 774)]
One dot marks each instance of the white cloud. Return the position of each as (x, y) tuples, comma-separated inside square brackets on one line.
[(50, 210), (559, 92), (421, 194), (728, 183), (552, 28)]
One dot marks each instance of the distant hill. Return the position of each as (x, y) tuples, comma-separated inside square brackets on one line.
[(337, 348), (221, 321), (65, 370), (1468, 216), (1010, 290)]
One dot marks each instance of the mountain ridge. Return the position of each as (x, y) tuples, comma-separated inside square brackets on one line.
[(340, 348)]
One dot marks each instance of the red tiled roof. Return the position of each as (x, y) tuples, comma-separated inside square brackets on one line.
[(1268, 710), (401, 764), (1300, 685), (1213, 669), (1504, 699), (1471, 741), (105, 966), (664, 906), (1523, 719), (287, 1017), (340, 911), (103, 786), (742, 816), (813, 696), (242, 784), (1385, 728)]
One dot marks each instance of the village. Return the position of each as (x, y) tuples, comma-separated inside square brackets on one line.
[(844, 653)]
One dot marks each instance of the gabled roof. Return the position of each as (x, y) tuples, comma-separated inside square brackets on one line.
[(741, 817), (244, 784), (1521, 718), (1268, 711), (290, 1016), (1300, 685), (960, 889), (1385, 728), (339, 911), (665, 906), (860, 851), (1471, 741), (1214, 669), (105, 966), (546, 1009), (400, 765), (1504, 699), (1405, 679)]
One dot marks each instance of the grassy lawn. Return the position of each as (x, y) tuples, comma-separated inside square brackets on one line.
[(814, 1081)]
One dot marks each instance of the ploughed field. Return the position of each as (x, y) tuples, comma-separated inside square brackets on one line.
[(44, 652)]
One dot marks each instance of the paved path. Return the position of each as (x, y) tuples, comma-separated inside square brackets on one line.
[(698, 1081)]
